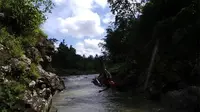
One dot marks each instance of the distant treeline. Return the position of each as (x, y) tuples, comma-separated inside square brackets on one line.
[(67, 62)]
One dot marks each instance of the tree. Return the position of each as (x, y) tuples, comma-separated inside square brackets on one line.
[(24, 16), (67, 59), (20, 34), (160, 34)]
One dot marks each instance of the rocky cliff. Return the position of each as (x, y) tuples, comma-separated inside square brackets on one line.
[(25, 84)]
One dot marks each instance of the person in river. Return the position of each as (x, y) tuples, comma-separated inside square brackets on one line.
[(107, 81), (105, 77)]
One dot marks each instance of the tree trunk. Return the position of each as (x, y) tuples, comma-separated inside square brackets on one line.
[(155, 50)]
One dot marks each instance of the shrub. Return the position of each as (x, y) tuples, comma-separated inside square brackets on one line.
[(4, 35), (24, 16), (12, 43), (34, 71), (15, 47), (32, 38), (10, 94)]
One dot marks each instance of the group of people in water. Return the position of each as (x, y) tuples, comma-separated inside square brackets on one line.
[(105, 77)]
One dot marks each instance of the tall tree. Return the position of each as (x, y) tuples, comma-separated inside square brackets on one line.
[(159, 36)]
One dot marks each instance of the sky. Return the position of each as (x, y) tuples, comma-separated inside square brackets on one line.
[(82, 23)]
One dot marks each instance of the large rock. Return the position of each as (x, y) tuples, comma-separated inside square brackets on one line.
[(25, 59), (5, 69), (41, 91), (34, 54), (48, 58), (186, 99), (37, 103), (55, 82), (46, 47), (23, 63)]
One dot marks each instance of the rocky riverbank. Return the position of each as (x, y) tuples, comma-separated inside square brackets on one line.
[(40, 94), (25, 85)]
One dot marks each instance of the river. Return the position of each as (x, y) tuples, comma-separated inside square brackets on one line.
[(81, 95)]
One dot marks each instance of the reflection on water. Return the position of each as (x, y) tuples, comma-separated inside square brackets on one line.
[(82, 96)]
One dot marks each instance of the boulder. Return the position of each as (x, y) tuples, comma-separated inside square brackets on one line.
[(32, 84), (2, 47), (36, 102), (40, 93), (25, 60), (20, 64), (55, 82), (46, 47), (48, 58), (5, 69), (34, 54), (186, 99)]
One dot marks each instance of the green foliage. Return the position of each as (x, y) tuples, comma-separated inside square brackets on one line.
[(28, 41), (15, 47), (10, 94), (24, 16), (3, 52), (13, 44), (32, 38), (25, 76), (4, 57), (34, 71), (4, 35), (124, 9), (37, 59), (20, 29), (22, 66), (174, 24)]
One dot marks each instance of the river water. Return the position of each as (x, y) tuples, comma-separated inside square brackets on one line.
[(81, 95)]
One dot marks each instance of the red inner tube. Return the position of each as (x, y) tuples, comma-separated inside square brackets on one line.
[(110, 82)]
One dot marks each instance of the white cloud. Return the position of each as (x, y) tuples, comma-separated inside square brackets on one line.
[(109, 17), (58, 2), (102, 3), (78, 19), (89, 47), (81, 25), (83, 21), (56, 44)]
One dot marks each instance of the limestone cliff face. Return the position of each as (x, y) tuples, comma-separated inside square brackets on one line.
[(40, 88)]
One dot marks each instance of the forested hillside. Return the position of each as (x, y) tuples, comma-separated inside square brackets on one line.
[(155, 43)]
